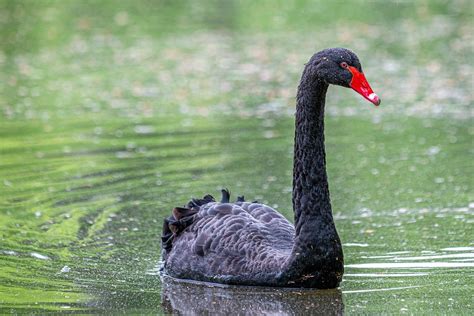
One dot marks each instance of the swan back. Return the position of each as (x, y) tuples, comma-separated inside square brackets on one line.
[(209, 240)]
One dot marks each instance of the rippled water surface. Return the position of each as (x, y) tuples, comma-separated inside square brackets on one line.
[(107, 127)]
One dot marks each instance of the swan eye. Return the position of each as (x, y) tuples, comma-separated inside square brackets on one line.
[(344, 65)]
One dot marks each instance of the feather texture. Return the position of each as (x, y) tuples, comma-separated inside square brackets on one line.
[(230, 239), (251, 243)]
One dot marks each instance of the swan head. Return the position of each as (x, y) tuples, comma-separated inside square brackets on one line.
[(341, 66)]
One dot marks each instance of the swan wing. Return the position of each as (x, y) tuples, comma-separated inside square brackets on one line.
[(230, 239), (268, 222)]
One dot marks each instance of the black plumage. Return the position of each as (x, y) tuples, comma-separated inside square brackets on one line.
[(251, 243)]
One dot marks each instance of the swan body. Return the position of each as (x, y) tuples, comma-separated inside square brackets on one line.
[(233, 242), (251, 243)]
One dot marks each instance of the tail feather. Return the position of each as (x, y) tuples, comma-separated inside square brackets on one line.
[(167, 235), (183, 217), (181, 212), (225, 196), (200, 202)]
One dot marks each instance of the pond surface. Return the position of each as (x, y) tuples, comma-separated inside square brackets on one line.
[(82, 209), (104, 131)]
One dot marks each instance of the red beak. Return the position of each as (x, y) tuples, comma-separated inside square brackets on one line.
[(361, 86)]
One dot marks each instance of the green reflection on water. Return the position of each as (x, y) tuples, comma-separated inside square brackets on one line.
[(100, 209), (108, 121)]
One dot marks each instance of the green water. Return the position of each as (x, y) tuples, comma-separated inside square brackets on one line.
[(112, 114)]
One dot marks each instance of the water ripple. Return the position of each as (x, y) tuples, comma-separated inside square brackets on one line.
[(416, 265), (380, 290)]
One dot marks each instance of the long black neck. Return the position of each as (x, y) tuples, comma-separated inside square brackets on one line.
[(311, 200), (317, 257), (317, 246)]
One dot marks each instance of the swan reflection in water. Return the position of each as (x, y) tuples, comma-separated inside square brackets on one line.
[(197, 298)]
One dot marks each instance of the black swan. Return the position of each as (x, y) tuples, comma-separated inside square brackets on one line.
[(251, 243)]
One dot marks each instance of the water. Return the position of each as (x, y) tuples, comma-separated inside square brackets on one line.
[(105, 129)]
